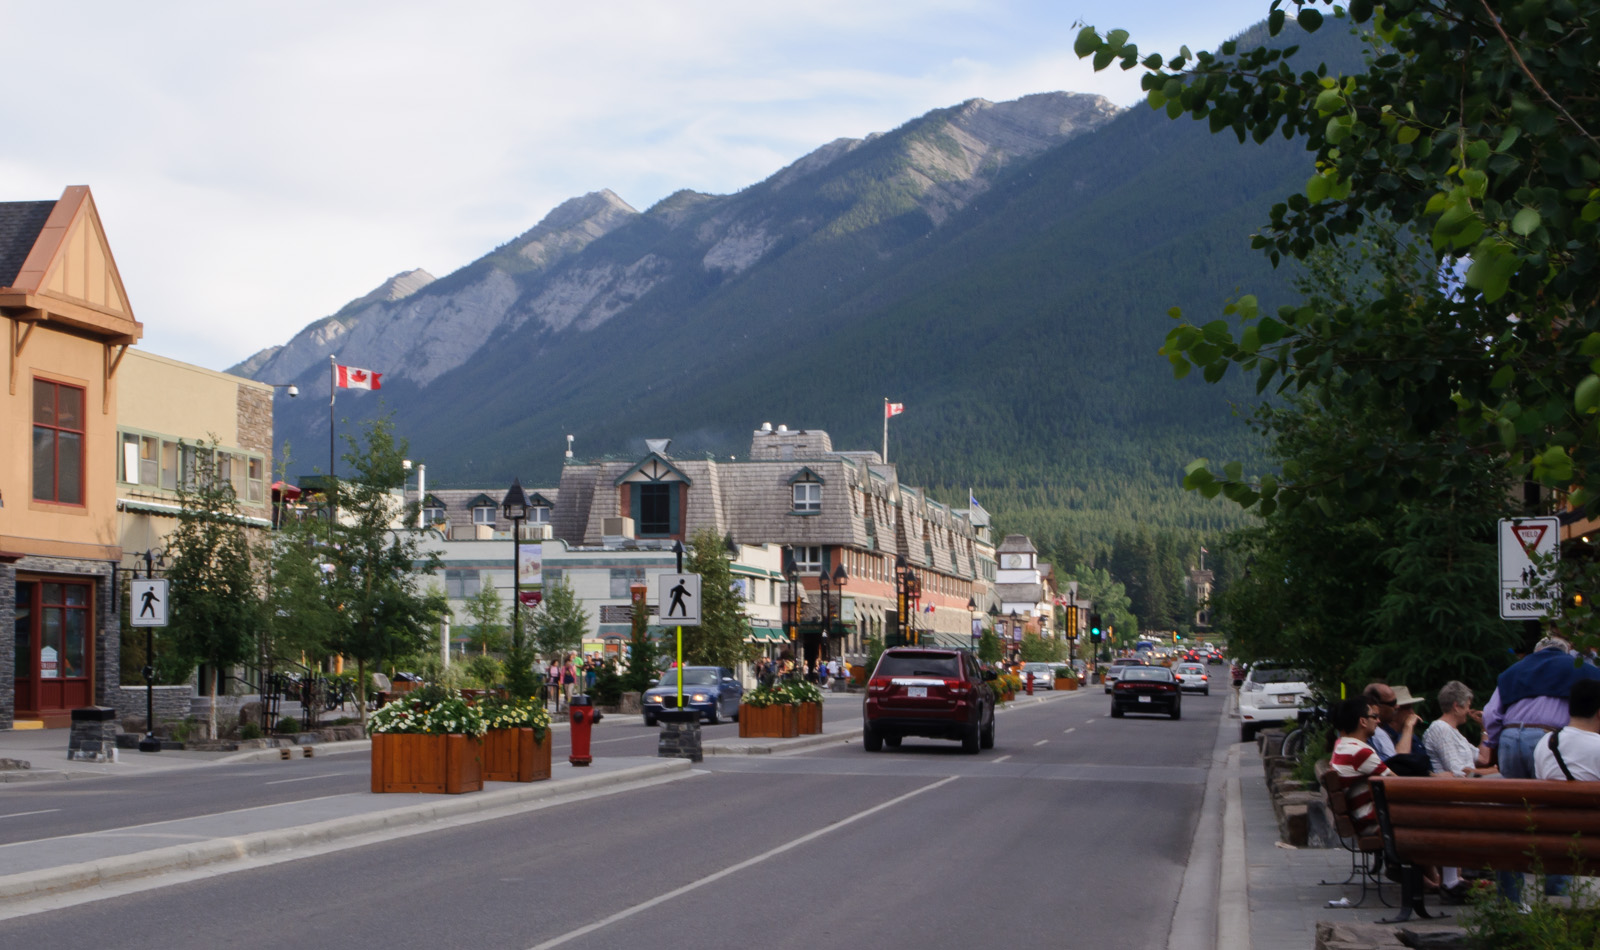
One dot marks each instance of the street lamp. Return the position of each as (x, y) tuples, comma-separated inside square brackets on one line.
[(972, 608), (1016, 635), (825, 583), (515, 507), (791, 576)]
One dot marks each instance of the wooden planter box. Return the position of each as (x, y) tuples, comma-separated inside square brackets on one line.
[(1067, 683), (810, 719), (441, 764), (1007, 696), (768, 722), (513, 755)]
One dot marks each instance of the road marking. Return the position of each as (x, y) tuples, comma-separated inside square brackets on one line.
[(1073, 729), (733, 869), (1087, 721), (1002, 758), (285, 781), (24, 814), (1041, 742)]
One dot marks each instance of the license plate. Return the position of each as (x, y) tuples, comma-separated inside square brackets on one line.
[(1288, 700), (1144, 699), (916, 692)]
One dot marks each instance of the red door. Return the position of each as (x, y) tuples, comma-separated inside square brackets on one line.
[(54, 646)]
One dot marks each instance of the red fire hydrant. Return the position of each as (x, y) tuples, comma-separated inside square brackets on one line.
[(1029, 685), (584, 716)]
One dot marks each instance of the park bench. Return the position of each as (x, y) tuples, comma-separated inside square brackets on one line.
[(1362, 848), (1503, 824)]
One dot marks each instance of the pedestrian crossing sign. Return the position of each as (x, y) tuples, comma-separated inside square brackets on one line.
[(678, 599)]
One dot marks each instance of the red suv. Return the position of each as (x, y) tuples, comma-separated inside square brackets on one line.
[(924, 691)]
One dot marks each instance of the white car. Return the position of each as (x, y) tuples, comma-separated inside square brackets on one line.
[(1192, 677), (1271, 693), (1044, 674)]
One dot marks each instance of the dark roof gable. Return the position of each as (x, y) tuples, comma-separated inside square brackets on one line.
[(20, 224)]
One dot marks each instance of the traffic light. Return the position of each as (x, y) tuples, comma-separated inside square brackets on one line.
[(1094, 628), (1176, 636)]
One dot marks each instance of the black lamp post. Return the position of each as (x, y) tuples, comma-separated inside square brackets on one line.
[(972, 608), (825, 583), (515, 507), (1016, 635), (791, 576)]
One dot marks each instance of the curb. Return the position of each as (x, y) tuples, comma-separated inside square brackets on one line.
[(787, 745), (71, 877), (305, 751)]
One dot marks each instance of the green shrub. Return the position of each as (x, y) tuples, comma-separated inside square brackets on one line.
[(607, 689), (288, 724), (1317, 747), (484, 671), (1496, 924), (250, 730)]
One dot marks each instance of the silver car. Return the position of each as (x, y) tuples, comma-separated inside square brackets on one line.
[(1044, 674), (1192, 677)]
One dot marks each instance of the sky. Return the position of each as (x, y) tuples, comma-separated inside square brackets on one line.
[(256, 166)]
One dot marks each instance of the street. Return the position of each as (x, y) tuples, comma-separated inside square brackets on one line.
[(1074, 830)]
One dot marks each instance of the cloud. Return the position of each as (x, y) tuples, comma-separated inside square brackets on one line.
[(258, 165)]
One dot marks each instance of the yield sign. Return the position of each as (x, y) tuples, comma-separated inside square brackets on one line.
[(1529, 534)]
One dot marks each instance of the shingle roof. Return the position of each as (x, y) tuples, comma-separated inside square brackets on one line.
[(20, 224)]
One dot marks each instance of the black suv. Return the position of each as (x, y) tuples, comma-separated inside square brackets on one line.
[(932, 692)]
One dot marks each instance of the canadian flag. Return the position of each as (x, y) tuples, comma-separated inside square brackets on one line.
[(349, 377), (892, 409)]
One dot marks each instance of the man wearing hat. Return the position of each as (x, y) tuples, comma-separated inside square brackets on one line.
[(1529, 703), (1394, 740)]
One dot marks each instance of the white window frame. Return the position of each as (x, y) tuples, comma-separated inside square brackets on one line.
[(808, 558), (807, 497), (539, 514), (477, 514)]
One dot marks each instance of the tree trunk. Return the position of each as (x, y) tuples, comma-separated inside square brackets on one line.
[(361, 690), (211, 729)]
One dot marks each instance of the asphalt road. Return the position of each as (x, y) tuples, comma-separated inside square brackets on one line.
[(1074, 830), (33, 810)]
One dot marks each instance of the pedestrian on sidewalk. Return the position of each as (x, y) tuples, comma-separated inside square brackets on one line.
[(1530, 702)]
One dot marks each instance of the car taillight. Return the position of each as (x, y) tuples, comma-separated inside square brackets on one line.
[(1204, 678), (957, 687), (878, 684)]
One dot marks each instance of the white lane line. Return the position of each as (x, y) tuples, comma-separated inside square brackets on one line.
[(1087, 721), (1002, 758), (1073, 729), (24, 814), (308, 778), (1041, 742), (733, 869)]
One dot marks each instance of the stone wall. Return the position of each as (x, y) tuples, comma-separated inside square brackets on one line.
[(171, 702), (255, 435)]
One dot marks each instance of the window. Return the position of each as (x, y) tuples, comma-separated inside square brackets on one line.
[(655, 508), (539, 514), (432, 513), (57, 442), (258, 471), (807, 497), (553, 578), (483, 514), (141, 463), (189, 463), (808, 560), (461, 584), (622, 578)]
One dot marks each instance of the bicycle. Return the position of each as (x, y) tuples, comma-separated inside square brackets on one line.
[(1308, 722)]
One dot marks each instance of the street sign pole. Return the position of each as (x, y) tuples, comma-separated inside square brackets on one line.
[(678, 600), (149, 609)]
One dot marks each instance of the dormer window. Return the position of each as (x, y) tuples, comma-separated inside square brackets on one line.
[(807, 497), (483, 514), (432, 514), (539, 514)]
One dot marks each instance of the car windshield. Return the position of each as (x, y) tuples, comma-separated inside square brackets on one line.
[(1192, 668), (1260, 675), (1127, 661), (1038, 667), (691, 677), (1147, 673), (919, 664)]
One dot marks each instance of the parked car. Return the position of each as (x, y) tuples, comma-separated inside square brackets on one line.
[(933, 693), (1271, 693), (1117, 666), (712, 690), (1193, 677), (1044, 674), (1147, 689)]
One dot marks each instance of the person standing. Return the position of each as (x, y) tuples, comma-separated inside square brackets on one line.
[(1529, 703), (1573, 753)]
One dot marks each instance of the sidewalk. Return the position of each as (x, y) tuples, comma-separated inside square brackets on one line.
[(1285, 899)]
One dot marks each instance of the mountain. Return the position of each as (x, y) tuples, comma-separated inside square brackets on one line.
[(1003, 269)]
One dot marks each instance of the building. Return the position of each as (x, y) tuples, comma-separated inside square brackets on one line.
[(68, 325), (1025, 592), (844, 520)]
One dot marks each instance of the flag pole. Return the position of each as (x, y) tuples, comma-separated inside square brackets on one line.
[(333, 389), (886, 430)]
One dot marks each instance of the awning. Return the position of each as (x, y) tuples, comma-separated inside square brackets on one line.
[(156, 508), (285, 491)]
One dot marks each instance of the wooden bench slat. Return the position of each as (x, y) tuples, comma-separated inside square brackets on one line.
[(1489, 817), (1496, 849), (1489, 790)]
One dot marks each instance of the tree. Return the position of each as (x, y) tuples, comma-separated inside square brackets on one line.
[(488, 620), (377, 609), (1475, 125), (1109, 598), (720, 638), (989, 647), (641, 650), (214, 599), (560, 622)]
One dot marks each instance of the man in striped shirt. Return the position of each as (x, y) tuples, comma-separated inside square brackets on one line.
[(1355, 761)]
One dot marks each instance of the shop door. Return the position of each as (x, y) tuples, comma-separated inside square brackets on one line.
[(53, 648)]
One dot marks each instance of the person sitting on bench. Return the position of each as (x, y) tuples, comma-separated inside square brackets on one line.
[(1573, 754), (1355, 761)]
